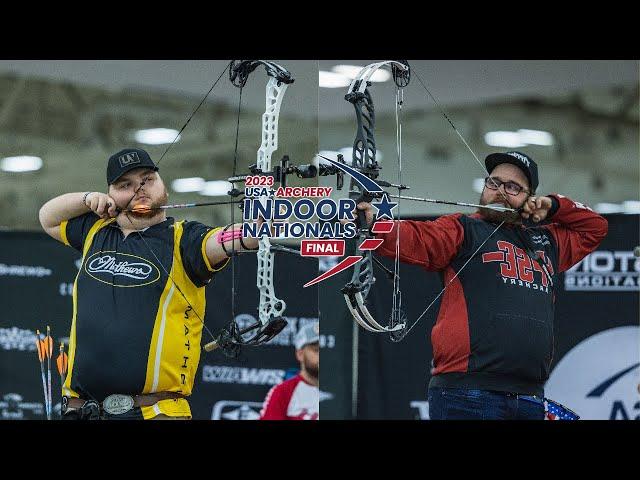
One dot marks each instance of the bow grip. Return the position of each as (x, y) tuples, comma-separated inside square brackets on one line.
[(361, 221)]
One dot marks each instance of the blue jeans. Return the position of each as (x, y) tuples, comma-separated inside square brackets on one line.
[(461, 404)]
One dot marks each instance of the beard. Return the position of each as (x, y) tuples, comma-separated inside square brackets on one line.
[(312, 370), (495, 216)]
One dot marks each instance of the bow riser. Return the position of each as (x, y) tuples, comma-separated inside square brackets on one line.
[(364, 159), (269, 306)]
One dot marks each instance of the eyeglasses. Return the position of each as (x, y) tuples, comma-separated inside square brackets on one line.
[(511, 188)]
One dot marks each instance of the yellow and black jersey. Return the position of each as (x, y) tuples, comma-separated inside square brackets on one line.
[(132, 331)]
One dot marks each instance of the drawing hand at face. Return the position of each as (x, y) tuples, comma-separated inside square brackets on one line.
[(537, 208), (101, 204)]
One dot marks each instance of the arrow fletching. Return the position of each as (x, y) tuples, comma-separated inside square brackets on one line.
[(49, 343), (40, 346), (62, 361), (141, 209)]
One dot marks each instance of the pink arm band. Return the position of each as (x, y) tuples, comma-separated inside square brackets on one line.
[(229, 235)]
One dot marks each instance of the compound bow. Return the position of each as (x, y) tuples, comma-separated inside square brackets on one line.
[(364, 160), (270, 308)]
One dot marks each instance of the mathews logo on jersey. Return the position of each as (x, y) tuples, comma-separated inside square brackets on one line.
[(121, 269)]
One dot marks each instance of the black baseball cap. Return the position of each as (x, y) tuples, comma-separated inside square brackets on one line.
[(520, 160), (128, 159)]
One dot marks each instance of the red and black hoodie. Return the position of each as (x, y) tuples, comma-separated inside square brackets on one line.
[(494, 329)]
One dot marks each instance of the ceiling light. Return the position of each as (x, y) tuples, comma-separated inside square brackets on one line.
[(608, 208), (351, 71), (631, 206), (503, 139), (156, 136), (535, 137), (193, 184), (21, 163), (332, 80), (216, 188)]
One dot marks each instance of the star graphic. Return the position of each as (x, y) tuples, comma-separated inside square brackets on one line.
[(384, 208)]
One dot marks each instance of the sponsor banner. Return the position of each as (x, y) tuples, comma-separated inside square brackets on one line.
[(322, 396), (420, 409), (605, 271), (24, 271), (236, 410), (242, 375), (13, 406), (599, 378), (15, 338)]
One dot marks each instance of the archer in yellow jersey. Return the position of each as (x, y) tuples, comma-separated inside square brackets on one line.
[(138, 298)]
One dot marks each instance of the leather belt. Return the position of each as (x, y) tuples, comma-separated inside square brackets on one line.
[(118, 404)]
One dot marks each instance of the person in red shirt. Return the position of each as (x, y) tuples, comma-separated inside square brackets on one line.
[(493, 336), (298, 398)]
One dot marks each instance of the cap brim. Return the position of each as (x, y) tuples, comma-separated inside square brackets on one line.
[(495, 159), (133, 167)]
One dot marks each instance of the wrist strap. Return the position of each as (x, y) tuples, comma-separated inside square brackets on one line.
[(84, 198)]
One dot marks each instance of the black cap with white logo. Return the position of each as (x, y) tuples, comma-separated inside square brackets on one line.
[(128, 159), (520, 160)]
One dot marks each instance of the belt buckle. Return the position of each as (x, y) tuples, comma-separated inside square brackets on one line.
[(117, 404)]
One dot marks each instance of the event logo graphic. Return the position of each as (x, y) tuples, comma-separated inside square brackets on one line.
[(605, 271), (384, 210), (106, 266), (598, 379), (236, 410), (322, 237), (285, 217)]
